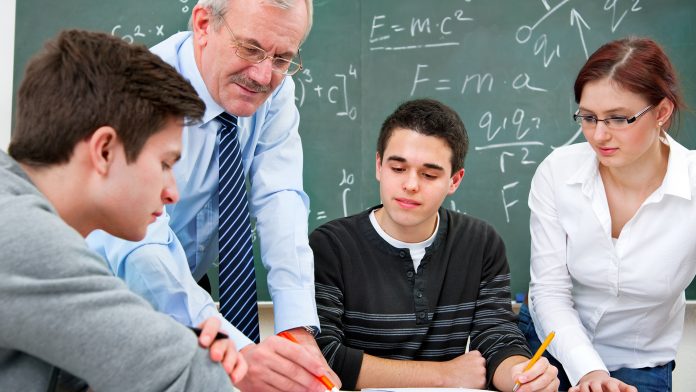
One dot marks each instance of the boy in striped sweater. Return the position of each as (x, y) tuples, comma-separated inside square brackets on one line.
[(403, 286)]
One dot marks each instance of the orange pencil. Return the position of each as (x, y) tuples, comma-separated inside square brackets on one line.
[(536, 357), (324, 380)]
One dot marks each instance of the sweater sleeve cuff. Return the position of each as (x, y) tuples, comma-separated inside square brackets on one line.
[(495, 360), (350, 360)]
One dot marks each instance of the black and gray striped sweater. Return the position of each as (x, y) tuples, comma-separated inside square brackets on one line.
[(370, 299)]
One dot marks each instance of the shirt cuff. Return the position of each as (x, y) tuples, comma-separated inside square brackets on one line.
[(581, 361), (294, 309), (240, 340)]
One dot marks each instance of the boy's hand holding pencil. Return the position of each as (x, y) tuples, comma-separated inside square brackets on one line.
[(521, 379)]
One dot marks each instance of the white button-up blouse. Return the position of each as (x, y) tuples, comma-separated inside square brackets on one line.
[(613, 303)]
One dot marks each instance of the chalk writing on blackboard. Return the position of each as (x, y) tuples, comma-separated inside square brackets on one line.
[(137, 32), (470, 82), (549, 51), (185, 9), (421, 28), (507, 204), (517, 127), (336, 93), (346, 182)]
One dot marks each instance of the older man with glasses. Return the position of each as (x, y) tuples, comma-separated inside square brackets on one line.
[(243, 160)]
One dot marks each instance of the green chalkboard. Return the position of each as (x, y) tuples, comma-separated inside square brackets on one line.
[(506, 66)]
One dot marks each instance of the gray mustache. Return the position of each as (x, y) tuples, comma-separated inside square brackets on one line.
[(249, 84)]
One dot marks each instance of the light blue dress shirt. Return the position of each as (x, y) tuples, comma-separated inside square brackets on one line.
[(182, 245)]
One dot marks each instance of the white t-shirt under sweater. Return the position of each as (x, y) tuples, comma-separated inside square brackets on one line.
[(417, 249)]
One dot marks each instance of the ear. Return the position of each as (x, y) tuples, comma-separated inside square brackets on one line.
[(664, 112), (201, 19), (378, 167), (455, 180), (103, 146)]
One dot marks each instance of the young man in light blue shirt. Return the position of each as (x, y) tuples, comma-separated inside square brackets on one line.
[(181, 246)]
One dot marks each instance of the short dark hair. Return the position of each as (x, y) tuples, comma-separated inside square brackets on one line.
[(432, 118), (84, 80), (636, 64)]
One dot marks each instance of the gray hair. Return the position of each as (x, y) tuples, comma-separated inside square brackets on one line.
[(219, 7)]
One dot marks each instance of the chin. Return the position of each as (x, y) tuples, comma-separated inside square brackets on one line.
[(129, 235), (612, 163), (138, 237), (406, 219), (243, 108), (241, 103), (133, 237)]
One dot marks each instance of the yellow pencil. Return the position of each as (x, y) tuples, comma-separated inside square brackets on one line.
[(536, 357)]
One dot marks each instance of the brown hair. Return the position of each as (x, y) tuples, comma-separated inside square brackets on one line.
[(431, 118), (85, 80), (636, 64)]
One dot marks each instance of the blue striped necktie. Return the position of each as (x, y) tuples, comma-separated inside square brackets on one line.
[(237, 278)]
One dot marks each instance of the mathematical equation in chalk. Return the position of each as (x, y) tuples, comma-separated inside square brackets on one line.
[(335, 91)]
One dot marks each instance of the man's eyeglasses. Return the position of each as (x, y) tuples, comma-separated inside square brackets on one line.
[(256, 55), (616, 122)]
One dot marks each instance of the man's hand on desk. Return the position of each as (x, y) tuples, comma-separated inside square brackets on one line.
[(307, 341), (279, 365), (222, 350)]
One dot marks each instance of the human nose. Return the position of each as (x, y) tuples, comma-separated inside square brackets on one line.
[(411, 182), (170, 193), (262, 72), (601, 131)]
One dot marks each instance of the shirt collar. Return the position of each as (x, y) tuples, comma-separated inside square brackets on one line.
[(677, 181), (190, 70), (587, 173)]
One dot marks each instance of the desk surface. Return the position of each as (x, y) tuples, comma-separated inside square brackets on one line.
[(423, 390)]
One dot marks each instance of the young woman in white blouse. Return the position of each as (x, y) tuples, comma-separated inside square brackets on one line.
[(612, 225)]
